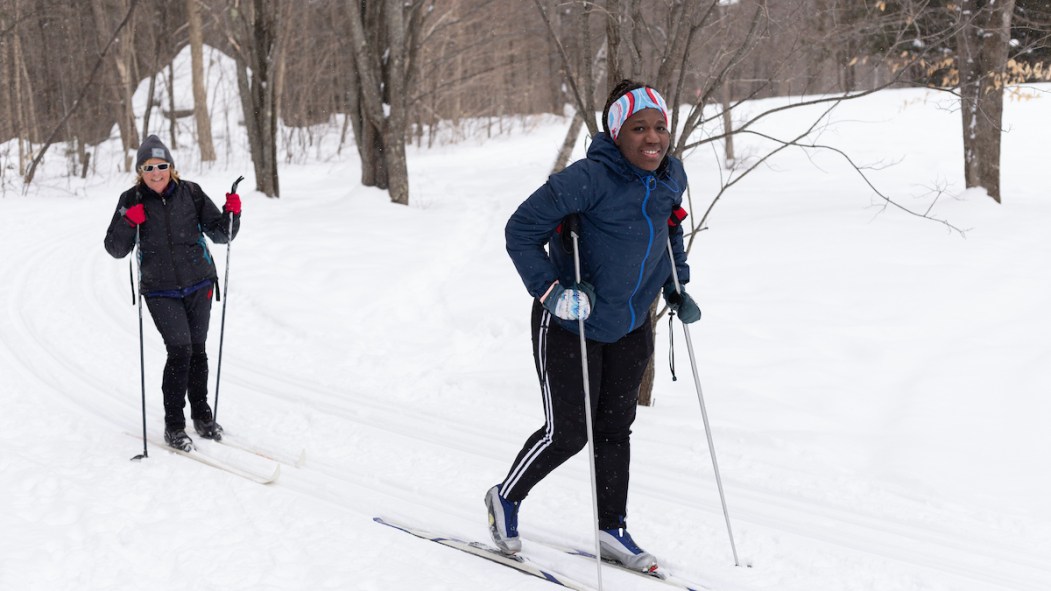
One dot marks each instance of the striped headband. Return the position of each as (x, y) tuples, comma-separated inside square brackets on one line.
[(631, 103)]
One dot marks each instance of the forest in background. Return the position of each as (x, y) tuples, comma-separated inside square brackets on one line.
[(399, 68)]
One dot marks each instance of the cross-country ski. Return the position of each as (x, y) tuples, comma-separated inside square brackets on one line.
[(260, 472), (520, 563), (288, 457), (657, 573)]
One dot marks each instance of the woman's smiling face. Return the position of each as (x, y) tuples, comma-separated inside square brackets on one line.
[(156, 179), (644, 139)]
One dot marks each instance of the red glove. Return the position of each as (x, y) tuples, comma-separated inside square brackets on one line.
[(233, 203), (136, 214)]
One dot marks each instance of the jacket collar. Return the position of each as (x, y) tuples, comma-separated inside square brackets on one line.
[(167, 192)]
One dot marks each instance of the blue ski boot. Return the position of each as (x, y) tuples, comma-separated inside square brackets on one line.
[(503, 521), (616, 545)]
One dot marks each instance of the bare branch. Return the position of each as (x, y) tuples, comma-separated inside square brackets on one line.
[(83, 91), (796, 142), (581, 105)]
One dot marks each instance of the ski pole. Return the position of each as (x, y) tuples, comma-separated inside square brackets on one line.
[(574, 231), (222, 323), (704, 411), (131, 271), (142, 353)]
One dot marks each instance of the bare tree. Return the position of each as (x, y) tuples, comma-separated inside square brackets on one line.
[(386, 51), (576, 66), (117, 80), (588, 71), (684, 50), (252, 28), (416, 68), (21, 98), (31, 170), (200, 94), (982, 45), (669, 44)]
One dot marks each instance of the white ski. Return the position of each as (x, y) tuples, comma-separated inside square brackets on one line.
[(261, 477), (291, 459), (519, 563), (657, 574)]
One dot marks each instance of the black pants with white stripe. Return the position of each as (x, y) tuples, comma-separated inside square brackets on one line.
[(615, 373)]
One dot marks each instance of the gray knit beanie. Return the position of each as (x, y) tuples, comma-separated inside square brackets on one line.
[(152, 147)]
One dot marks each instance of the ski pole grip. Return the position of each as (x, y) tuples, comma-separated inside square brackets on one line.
[(572, 223), (233, 188)]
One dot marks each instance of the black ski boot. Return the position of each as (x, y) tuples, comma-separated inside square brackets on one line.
[(178, 439), (208, 429)]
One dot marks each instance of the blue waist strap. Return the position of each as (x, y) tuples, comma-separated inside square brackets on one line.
[(179, 293)]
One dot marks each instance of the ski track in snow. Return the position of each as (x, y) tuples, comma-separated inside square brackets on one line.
[(418, 449), (34, 347)]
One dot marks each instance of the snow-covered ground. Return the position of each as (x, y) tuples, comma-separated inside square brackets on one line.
[(878, 384)]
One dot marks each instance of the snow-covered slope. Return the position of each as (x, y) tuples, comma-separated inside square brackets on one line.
[(877, 384)]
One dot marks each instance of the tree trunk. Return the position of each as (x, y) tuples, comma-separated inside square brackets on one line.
[(200, 94), (567, 144), (366, 105), (125, 62), (27, 111), (586, 60), (9, 124), (173, 121), (395, 130), (576, 70), (25, 106), (614, 68), (728, 126), (646, 388), (64, 121), (253, 31), (116, 80), (154, 70), (149, 105), (384, 53), (982, 43), (365, 36), (373, 157)]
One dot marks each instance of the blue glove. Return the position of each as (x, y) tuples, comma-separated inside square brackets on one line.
[(682, 304), (570, 304)]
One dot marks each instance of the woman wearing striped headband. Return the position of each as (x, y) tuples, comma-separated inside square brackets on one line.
[(626, 196)]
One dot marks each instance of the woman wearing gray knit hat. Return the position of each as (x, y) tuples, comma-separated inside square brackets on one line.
[(170, 217)]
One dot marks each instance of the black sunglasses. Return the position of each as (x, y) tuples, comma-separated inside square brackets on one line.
[(150, 167)]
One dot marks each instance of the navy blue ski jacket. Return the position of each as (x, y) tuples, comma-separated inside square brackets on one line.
[(624, 231)]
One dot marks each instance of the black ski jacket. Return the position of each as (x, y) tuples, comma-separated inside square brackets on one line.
[(173, 253)]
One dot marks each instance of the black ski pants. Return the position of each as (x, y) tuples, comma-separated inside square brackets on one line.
[(183, 324), (615, 372)]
